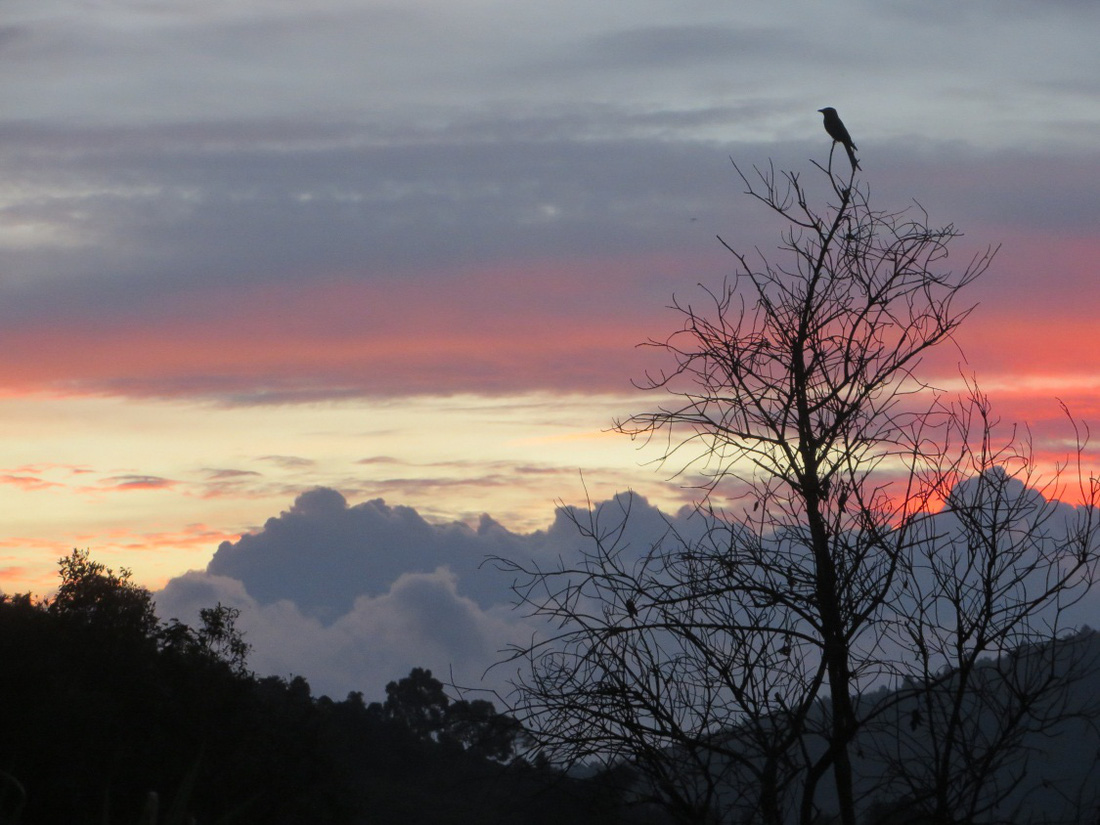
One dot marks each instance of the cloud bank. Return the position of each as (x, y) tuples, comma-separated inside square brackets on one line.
[(354, 596)]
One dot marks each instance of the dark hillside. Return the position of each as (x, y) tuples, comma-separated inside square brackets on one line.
[(102, 704)]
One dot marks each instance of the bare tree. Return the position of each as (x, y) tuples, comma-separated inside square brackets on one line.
[(726, 666), (988, 658)]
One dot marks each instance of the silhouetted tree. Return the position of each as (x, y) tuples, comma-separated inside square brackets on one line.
[(110, 705), (989, 658), (108, 717), (217, 640), (728, 669), (97, 596), (480, 730), (418, 702)]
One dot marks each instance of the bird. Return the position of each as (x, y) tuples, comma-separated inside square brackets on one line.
[(835, 127)]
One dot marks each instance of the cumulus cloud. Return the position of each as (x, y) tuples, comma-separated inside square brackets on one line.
[(322, 554), (419, 621), (354, 596)]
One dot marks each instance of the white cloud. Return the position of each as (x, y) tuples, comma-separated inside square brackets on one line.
[(420, 621)]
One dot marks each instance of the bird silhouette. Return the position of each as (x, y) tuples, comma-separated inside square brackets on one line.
[(835, 127)]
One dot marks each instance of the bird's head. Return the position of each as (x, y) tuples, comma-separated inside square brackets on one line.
[(827, 109)]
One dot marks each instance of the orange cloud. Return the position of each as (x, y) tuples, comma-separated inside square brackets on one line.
[(27, 482)]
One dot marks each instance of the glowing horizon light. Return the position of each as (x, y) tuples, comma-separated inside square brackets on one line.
[(155, 486)]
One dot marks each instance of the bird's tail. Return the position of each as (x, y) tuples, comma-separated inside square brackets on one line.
[(852, 156)]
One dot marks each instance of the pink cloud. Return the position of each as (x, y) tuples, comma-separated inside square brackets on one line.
[(569, 325), (20, 579), (497, 330), (27, 482), (198, 536)]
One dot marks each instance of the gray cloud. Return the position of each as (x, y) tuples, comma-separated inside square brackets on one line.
[(12, 34), (648, 47), (225, 474), (152, 223), (288, 462), (220, 232), (322, 554), (352, 596), (304, 212), (139, 482), (420, 620)]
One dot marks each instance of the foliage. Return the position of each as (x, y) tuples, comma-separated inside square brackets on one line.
[(476, 726), (419, 703), (104, 600), (217, 640)]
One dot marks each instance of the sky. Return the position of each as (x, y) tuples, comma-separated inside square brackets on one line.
[(261, 258)]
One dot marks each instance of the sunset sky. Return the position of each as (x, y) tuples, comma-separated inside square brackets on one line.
[(405, 251)]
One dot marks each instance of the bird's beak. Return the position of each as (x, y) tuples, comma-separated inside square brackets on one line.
[(821, 110)]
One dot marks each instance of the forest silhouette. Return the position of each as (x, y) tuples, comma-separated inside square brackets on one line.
[(111, 715)]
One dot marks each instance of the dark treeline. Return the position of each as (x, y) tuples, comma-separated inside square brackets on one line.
[(110, 715)]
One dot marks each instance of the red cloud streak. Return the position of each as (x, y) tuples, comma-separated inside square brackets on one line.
[(500, 330), (569, 326)]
